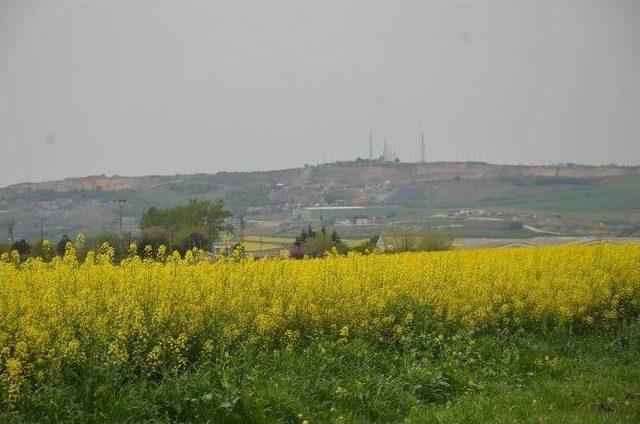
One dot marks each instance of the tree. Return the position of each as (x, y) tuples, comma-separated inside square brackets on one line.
[(61, 247), (195, 240), (304, 236), (367, 246), (22, 247), (153, 217), (42, 249), (5, 247), (94, 243), (156, 237), (205, 217), (434, 241), (315, 244)]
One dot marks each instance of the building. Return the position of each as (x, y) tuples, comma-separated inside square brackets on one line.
[(329, 213), (356, 215)]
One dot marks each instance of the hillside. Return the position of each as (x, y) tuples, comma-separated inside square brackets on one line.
[(466, 199)]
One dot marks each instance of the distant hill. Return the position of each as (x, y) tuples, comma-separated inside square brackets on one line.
[(570, 198)]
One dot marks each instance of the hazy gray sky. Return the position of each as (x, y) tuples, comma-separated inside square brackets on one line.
[(140, 87)]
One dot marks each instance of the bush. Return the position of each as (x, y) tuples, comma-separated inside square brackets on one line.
[(62, 245), (367, 246), (42, 249), (112, 239), (195, 240), (156, 237), (5, 248), (315, 244), (514, 224), (22, 247), (434, 241)]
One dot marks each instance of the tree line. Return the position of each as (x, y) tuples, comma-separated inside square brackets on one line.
[(196, 224), (199, 223)]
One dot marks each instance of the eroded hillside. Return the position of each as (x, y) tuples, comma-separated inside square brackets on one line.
[(561, 198)]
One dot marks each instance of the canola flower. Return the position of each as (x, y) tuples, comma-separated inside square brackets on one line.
[(163, 312)]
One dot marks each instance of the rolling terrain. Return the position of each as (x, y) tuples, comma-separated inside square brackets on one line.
[(466, 199)]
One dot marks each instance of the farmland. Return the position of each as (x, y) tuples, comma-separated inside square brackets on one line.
[(319, 212), (570, 199), (510, 335), (257, 243)]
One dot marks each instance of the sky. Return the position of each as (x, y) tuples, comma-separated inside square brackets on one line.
[(165, 87)]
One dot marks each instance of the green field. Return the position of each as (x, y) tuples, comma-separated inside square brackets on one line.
[(572, 205), (547, 335), (548, 375), (255, 243), (612, 201), (258, 243)]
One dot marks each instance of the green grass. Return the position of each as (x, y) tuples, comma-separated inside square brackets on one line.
[(607, 199), (257, 243), (560, 375)]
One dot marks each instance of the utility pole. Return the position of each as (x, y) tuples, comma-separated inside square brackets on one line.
[(423, 148), (370, 146), (385, 151), (242, 225), (43, 223), (10, 227), (120, 203)]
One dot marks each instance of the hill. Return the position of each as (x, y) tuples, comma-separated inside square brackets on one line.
[(465, 198)]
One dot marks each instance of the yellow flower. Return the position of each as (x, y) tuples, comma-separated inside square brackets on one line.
[(161, 314)]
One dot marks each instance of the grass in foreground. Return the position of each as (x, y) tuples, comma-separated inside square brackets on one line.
[(437, 376), (544, 334)]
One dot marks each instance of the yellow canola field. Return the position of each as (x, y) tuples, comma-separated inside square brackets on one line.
[(150, 314)]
